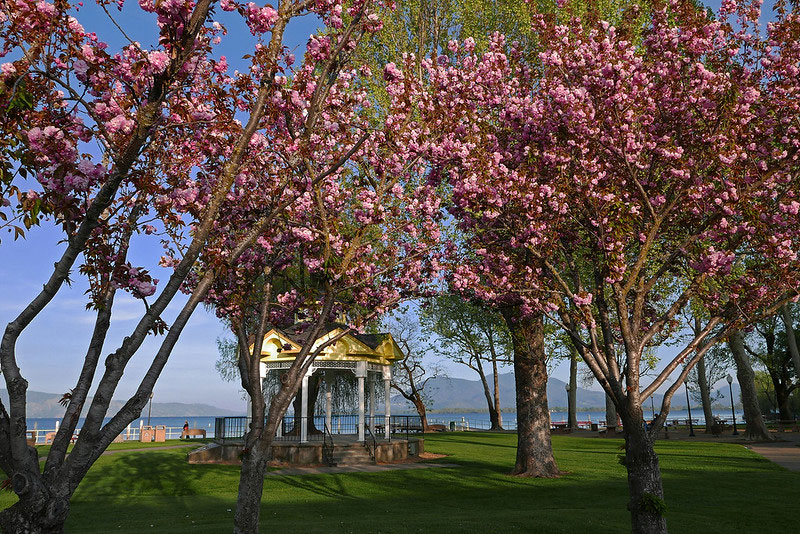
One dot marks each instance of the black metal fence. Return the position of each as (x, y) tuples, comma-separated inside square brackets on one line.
[(232, 429)]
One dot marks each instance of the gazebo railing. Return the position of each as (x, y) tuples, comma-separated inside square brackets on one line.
[(233, 429)]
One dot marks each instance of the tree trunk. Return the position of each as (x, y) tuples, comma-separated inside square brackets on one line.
[(782, 399), (493, 413), (611, 416), (705, 394), (497, 409), (43, 511), (572, 395), (644, 476), (314, 383), (423, 414), (534, 450), (791, 341), (251, 486), (755, 429)]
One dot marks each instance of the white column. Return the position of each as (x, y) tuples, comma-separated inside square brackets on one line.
[(387, 381), (304, 410), (328, 401), (372, 404), (361, 373)]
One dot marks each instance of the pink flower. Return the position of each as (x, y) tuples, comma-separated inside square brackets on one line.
[(391, 72), (159, 60), (260, 19)]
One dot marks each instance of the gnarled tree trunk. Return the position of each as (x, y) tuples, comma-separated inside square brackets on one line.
[(534, 450), (40, 509), (755, 428)]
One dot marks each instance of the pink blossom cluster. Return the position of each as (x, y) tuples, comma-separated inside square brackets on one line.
[(608, 156), (260, 19)]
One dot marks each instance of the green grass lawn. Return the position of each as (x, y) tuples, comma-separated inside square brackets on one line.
[(709, 487)]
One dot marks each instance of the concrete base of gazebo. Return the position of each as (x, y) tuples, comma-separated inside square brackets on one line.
[(346, 451)]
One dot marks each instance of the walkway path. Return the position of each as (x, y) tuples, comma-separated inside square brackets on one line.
[(369, 468), (784, 453)]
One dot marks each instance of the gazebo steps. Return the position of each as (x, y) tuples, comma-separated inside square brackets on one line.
[(355, 454)]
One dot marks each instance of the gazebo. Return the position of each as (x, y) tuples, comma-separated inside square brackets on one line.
[(368, 356)]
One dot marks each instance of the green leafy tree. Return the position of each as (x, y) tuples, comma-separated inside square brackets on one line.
[(474, 336)]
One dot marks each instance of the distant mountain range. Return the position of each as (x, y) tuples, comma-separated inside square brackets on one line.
[(46, 405), (462, 395)]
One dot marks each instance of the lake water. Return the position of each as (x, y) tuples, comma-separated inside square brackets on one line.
[(481, 419), (475, 420)]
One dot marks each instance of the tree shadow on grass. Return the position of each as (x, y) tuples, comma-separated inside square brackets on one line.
[(329, 485), (149, 473)]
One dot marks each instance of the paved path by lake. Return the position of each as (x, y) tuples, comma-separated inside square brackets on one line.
[(784, 453)]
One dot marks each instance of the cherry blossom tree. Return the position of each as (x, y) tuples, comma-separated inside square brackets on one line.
[(628, 174), (358, 234), (173, 152)]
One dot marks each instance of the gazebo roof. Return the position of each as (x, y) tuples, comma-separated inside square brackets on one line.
[(284, 344)]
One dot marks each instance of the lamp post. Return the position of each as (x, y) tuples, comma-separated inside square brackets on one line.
[(729, 378), (149, 409), (689, 407), (569, 406)]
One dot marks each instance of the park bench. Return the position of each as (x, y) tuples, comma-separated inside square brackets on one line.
[(193, 432)]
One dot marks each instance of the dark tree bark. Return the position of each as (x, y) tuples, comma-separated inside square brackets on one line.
[(755, 429), (258, 441), (705, 394), (572, 395), (251, 485), (497, 410), (492, 403), (644, 475), (254, 464), (314, 382), (534, 450), (782, 395)]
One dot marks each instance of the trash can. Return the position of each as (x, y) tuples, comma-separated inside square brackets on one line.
[(161, 433), (146, 435), (452, 426), (594, 427)]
